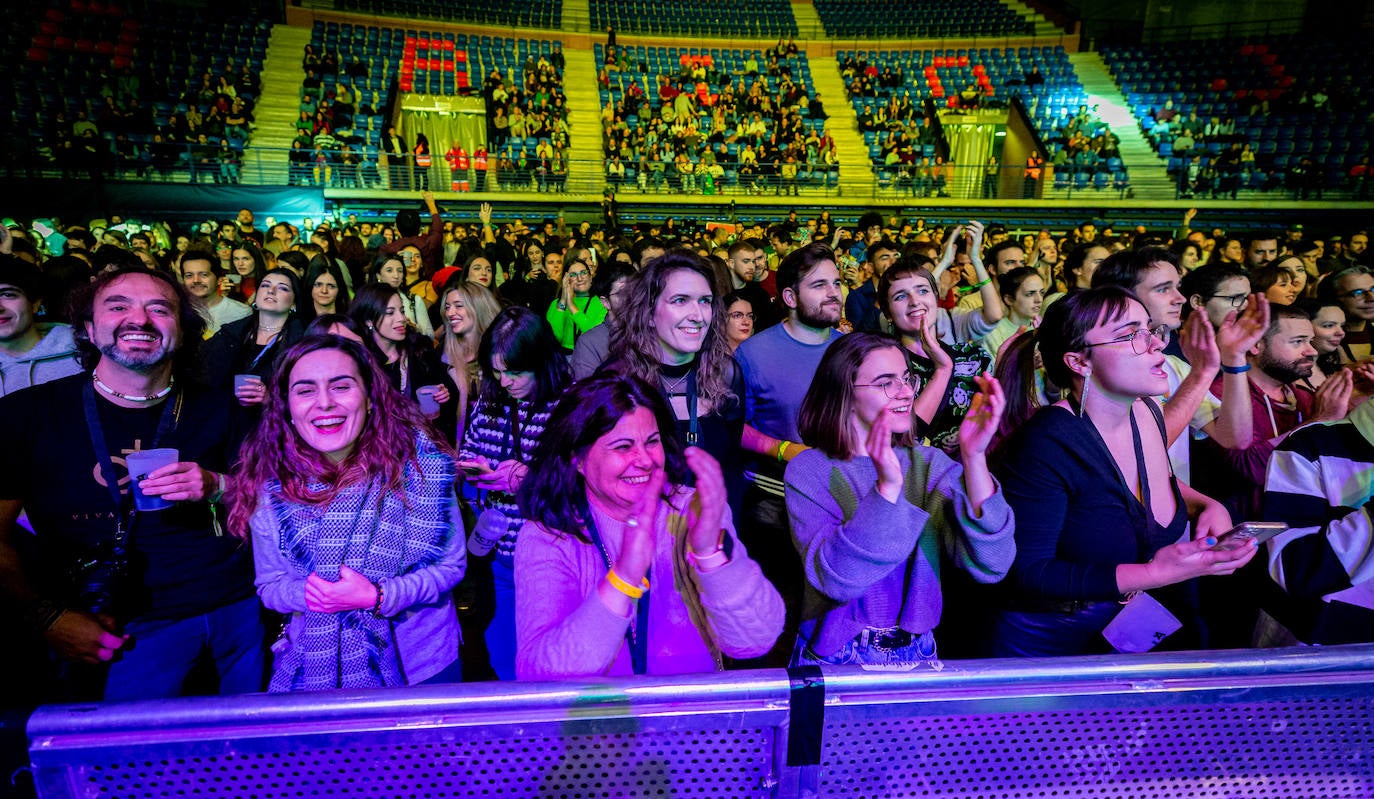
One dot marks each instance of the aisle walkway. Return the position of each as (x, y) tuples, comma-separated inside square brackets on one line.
[(1148, 178), (278, 105)]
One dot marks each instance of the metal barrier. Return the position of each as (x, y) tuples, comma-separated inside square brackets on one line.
[(1270, 723)]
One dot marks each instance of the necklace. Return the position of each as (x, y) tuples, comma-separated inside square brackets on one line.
[(674, 387), (133, 397), (269, 330)]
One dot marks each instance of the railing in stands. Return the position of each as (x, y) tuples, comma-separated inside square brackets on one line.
[(1260, 723), (1105, 181)]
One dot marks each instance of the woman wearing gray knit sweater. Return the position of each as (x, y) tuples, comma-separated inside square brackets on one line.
[(872, 511)]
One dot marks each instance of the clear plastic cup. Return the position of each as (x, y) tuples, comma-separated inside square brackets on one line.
[(143, 463), (429, 406)]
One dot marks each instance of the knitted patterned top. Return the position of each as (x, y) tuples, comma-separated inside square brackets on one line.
[(491, 436), (873, 563)]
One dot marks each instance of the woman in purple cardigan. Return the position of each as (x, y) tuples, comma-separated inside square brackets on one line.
[(621, 568)]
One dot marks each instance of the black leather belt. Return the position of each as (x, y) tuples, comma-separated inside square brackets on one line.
[(1064, 606), (894, 638)]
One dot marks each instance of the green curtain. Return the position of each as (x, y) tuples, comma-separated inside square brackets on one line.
[(443, 120), (969, 148)]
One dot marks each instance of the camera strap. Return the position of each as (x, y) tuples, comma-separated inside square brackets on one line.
[(123, 503)]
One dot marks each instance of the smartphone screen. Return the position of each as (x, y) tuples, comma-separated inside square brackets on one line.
[(1245, 532)]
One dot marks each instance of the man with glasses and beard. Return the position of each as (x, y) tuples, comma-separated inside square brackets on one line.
[(778, 366), (1279, 403), (128, 600)]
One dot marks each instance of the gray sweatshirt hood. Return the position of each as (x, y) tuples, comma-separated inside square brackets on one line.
[(53, 357)]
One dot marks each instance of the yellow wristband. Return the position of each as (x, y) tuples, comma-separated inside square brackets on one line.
[(782, 451), (625, 588)]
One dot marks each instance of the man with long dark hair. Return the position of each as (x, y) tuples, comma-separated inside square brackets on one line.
[(128, 597)]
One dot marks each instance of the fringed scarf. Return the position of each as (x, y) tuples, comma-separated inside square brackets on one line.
[(379, 533)]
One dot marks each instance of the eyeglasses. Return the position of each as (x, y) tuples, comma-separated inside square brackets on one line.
[(579, 273), (1356, 294), (738, 315), (892, 386), (1236, 300), (1142, 340)]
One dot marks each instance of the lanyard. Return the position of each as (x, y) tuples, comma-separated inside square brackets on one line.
[(693, 429), (1141, 475), (124, 511), (638, 634), (269, 345), (690, 398)]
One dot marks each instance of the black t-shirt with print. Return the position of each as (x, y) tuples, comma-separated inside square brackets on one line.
[(178, 565)]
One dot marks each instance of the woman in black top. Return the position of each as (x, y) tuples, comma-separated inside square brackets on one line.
[(669, 330), (408, 358), (250, 346), (1100, 516)]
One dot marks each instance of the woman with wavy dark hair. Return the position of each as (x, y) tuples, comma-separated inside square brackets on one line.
[(669, 331), (523, 375), (355, 529), (615, 535)]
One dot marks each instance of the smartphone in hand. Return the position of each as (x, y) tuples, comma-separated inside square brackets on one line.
[(1245, 532)]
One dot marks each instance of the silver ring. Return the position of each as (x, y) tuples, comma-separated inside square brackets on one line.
[(632, 522)]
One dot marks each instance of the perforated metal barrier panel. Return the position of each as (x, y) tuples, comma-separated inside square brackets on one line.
[(1283, 749), (1296, 723)]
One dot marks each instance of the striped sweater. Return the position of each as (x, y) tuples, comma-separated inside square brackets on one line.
[(489, 436), (1320, 481)]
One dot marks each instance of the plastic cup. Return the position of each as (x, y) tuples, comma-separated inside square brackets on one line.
[(145, 462), (429, 406), (242, 380)]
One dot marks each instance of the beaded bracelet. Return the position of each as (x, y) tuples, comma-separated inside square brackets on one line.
[(377, 606), (619, 584)]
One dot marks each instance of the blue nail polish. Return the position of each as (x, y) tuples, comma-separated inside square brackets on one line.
[(1211, 541)]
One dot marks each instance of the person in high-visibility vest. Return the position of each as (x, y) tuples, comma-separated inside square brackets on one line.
[(458, 163), (479, 166), (422, 162), (1034, 163)]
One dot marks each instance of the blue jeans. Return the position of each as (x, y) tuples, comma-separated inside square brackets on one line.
[(500, 633), (863, 650), (161, 653), (452, 673), (1026, 633)]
